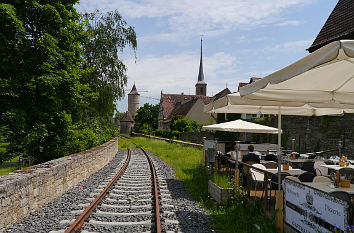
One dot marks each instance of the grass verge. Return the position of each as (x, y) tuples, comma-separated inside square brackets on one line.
[(239, 215)]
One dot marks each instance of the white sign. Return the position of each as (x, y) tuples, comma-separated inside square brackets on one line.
[(309, 210)]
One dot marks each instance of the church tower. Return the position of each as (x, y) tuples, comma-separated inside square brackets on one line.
[(200, 87), (133, 101)]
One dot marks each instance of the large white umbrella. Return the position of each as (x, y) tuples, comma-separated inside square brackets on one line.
[(241, 126), (324, 77), (234, 103)]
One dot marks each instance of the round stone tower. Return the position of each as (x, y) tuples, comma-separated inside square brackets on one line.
[(133, 101)]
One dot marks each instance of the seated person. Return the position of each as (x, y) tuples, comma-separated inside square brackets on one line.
[(270, 157), (232, 153), (251, 156)]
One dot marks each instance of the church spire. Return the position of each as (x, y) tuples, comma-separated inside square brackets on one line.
[(200, 87), (201, 73)]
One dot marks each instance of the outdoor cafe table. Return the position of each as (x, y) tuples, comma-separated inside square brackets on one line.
[(325, 187), (336, 167), (291, 171), (298, 162)]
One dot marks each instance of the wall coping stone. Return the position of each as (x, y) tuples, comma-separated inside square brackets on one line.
[(40, 177)]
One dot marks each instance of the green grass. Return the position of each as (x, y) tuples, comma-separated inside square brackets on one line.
[(6, 170), (239, 215), (222, 181)]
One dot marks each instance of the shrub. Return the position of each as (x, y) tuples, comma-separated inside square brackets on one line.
[(171, 134)]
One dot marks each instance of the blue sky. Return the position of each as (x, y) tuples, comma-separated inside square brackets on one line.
[(241, 39)]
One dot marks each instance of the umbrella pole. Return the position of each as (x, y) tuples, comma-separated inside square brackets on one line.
[(279, 150), (279, 194), (237, 172)]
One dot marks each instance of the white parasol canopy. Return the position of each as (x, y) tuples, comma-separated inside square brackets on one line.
[(234, 103), (241, 126), (326, 76)]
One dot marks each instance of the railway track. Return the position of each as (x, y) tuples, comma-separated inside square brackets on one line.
[(130, 200)]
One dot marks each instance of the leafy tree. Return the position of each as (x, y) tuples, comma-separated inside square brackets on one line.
[(59, 77), (183, 124), (146, 119), (110, 35), (41, 67)]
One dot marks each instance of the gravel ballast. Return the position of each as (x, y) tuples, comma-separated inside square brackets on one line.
[(190, 216)]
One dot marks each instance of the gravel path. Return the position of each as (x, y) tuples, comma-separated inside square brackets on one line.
[(191, 217)]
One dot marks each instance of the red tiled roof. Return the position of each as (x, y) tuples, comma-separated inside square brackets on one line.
[(254, 79), (127, 117), (241, 85), (339, 25), (133, 91), (183, 109), (175, 104), (178, 103)]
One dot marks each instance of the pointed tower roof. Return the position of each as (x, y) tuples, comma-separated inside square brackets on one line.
[(127, 117), (201, 73), (339, 25), (133, 91)]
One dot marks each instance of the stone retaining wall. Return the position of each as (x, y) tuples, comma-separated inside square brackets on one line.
[(25, 191)]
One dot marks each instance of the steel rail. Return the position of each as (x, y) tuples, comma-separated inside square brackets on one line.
[(157, 227), (76, 226)]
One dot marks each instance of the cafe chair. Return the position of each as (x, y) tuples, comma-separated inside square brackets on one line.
[(271, 157), (321, 179), (320, 171), (274, 181), (308, 166), (257, 177), (306, 177), (246, 172), (271, 165), (223, 160)]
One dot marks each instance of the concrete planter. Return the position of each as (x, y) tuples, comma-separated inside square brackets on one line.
[(220, 195)]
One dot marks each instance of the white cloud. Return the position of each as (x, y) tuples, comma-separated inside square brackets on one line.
[(170, 37), (201, 16), (259, 74), (176, 73), (288, 23), (299, 45)]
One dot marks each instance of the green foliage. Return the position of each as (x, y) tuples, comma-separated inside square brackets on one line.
[(52, 102), (109, 36), (171, 134), (146, 119), (222, 180), (249, 215), (223, 117), (183, 124), (226, 136)]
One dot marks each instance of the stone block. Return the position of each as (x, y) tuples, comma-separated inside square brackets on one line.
[(220, 195)]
